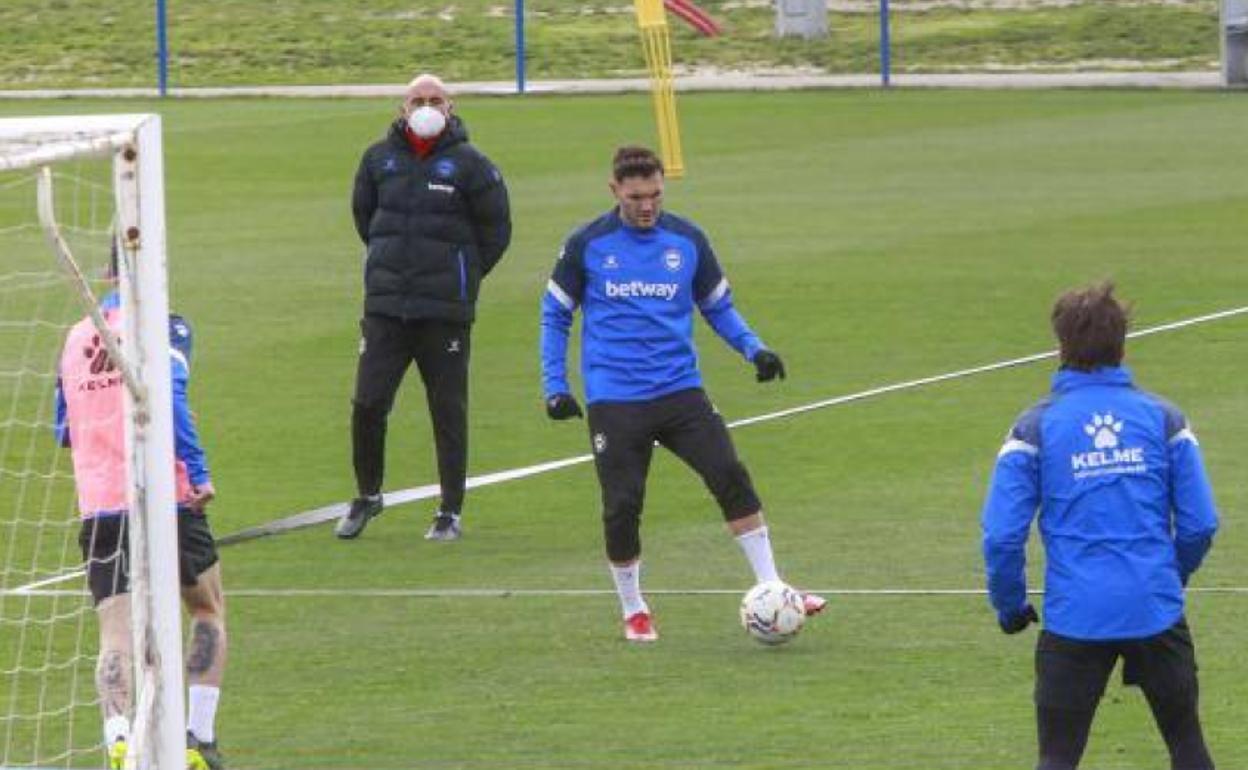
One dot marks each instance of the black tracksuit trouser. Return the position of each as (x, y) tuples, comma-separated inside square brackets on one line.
[(440, 349), (1070, 680)]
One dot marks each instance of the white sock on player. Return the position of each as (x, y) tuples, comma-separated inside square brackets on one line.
[(628, 586), (117, 728), (202, 714), (756, 544)]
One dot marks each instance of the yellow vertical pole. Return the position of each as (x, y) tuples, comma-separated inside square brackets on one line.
[(656, 44)]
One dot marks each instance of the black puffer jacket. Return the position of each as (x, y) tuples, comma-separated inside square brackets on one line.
[(434, 226)]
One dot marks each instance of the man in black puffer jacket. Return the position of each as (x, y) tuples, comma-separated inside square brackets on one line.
[(434, 215)]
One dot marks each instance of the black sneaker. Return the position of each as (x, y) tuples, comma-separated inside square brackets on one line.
[(201, 755), (362, 509), (445, 526)]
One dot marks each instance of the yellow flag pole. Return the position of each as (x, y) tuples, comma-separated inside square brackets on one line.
[(656, 44)]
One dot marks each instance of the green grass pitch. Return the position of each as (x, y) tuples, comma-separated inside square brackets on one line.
[(871, 238)]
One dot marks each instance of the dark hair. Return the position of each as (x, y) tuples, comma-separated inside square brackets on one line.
[(1091, 327), (632, 161)]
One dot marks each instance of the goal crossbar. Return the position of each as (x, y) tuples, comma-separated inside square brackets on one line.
[(63, 137)]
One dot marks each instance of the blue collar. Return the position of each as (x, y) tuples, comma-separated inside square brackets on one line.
[(110, 301), (1065, 380), (641, 233)]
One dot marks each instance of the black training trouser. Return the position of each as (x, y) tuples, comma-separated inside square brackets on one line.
[(1071, 677), (623, 435), (440, 349)]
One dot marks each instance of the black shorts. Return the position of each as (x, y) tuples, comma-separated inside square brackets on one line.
[(623, 435), (108, 565), (1071, 674)]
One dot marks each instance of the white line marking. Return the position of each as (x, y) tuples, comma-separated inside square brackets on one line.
[(504, 593), (336, 510), (910, 384), (32, 588), (418, 593)]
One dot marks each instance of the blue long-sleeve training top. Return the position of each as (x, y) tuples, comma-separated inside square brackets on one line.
[(1125, 508), (637, 289)]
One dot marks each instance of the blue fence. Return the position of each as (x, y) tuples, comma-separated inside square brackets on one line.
[(162, 47)]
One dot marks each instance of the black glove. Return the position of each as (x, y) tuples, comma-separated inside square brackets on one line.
[(768, 366), (1019, 620), (563, 406)]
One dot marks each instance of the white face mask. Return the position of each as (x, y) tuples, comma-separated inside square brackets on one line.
[(426, 122)]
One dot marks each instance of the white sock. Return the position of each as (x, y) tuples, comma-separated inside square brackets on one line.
[(757, 548), (202, 714), (628, 586), (117, 728)]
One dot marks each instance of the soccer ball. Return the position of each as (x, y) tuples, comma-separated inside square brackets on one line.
[(772, 612)]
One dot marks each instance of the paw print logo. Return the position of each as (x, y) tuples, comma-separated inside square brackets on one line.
[(1104, 430), (98, 355)]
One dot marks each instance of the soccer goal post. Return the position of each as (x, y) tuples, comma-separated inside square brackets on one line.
[(82, 214)]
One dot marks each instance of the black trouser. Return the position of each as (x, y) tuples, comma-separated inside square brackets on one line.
[(1071, 677), (440, 350), (623, 436)]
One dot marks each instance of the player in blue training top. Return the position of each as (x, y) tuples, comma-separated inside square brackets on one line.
[(1127, 516), (638, 273)]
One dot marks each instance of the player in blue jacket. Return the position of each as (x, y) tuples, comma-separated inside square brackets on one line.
[(1126, 514), (638, 273)]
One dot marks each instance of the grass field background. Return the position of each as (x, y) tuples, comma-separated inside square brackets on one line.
[(94, 43), (871, 238)]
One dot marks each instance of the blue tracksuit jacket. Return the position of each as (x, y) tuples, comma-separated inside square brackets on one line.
[(637, 289), (1125, 508)]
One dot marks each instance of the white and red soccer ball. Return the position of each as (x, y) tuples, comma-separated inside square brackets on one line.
[(773, 612)]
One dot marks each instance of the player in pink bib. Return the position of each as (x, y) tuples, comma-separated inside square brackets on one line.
[(90, 420)]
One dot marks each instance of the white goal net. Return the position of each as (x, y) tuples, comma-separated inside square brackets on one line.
[(82, 218)]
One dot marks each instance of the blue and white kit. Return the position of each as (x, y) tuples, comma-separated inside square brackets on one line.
[(637, 289), (1125, 508)]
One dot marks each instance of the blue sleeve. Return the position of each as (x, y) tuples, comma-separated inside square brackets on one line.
[(732, 328), (714, 298), (563, 293), (1195, 516), (185, 437), (60, 428), (1013, 497), (180, 337)]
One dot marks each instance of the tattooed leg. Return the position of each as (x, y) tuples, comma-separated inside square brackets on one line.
[(205, 601), (207, 651), (114, 669), (112, 680), (205, 659)]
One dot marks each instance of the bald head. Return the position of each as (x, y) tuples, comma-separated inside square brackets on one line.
[(427, 90), (425, 81)]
